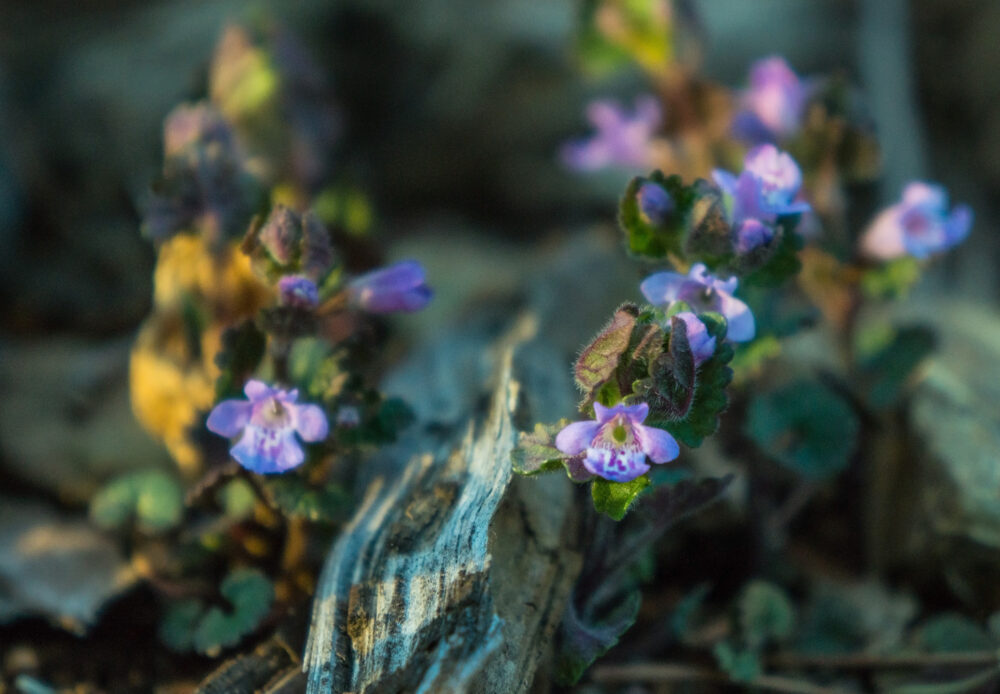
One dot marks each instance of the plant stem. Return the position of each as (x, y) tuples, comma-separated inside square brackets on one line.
[(662, 673)]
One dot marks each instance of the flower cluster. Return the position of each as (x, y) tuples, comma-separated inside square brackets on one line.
[(773, 106), (702, 292), (920, 225), (622, 140), (617, 444), (766, 189)]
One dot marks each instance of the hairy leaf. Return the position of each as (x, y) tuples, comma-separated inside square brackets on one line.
[(599, 360), (536, 452), (615, 498), (709, 398)]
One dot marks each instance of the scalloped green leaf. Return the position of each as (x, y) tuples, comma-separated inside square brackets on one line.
[(190, 625), (614, 498), (806, 427), (250, 593), (536, 452), (153, 497)]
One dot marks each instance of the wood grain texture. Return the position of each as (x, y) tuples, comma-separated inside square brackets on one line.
[(451, 576)]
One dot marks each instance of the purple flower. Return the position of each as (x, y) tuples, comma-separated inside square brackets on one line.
[(398, 287), (622, 140), (655, 203), (765, 189), (297, 291), (269, 422), (920, 225), (751, 234), (702, 343), (774, 105), (617, 443), (702, 292)]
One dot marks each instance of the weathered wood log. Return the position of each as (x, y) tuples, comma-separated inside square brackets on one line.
[(451, 575)]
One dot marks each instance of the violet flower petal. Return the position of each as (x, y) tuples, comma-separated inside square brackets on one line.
[(576, 437), (229, 417), (310, 422), (659, 445), (662, 287)]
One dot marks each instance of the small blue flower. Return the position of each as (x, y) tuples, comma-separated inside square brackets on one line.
[(774, 105), (702, 343), (920, 225), (269, 422), (298, 291), (702, 292), (617, 444), (622, 139), (398, 287)]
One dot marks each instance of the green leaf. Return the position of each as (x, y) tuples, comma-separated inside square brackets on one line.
[(741, 666), (582, 641), (656, 241), (685, 611), (237, 498), (670, 389), (766, 614), (242, 349), (888, 371), (784, 263), (190, 625), (179, 624), (709, 398), (536, 452), (953, 633), (250, 593), (599, 360), (615, 498), (806, 427), (153, 497), (295, 497), (891, 280)]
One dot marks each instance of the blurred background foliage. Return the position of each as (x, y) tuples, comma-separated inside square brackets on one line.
[(450, 114)]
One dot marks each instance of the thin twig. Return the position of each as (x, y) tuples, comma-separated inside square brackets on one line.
[(874, 661), (662, 673)]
